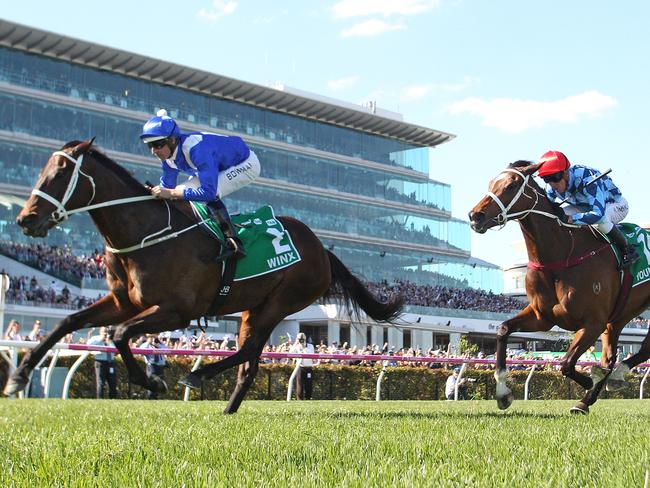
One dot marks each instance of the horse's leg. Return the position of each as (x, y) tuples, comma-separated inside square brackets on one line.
[(256, 328), (247, 371), (583, 339), (524, 321), (153, 320), (617, 378), (103, 312)]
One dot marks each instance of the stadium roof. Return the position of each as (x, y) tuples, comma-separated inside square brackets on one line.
[(85, 53)]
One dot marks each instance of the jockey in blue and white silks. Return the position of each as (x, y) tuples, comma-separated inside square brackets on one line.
[(589, 201), (217, 164)]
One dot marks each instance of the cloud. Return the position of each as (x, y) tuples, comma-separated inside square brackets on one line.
[(417, 92), (343, 83), (371, 27), (384, 8), (515, 116), (219, 9)]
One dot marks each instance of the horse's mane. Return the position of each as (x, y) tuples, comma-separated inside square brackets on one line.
[(122, 173), (555, 208)]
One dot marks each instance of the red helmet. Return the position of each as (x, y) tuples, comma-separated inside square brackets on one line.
[(552, 162)]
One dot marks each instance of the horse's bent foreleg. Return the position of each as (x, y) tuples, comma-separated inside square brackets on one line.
[(524, 321), (153, 320), (103, 312)]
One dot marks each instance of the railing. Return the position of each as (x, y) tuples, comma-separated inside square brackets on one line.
[(9, 352)]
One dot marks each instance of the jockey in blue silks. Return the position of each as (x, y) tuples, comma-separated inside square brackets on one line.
[(599, 203), (217, 164)]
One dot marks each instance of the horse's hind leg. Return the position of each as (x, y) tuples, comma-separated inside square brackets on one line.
[(102, 312), (255, 330), (617, 379)]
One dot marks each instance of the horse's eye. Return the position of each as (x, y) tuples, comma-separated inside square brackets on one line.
[(511, 186)]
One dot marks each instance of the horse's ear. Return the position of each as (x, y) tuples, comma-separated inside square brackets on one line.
[(532, 169), (83, 147)]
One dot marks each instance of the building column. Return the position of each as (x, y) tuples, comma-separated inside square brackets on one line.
[(422, 338), (358, 334), (333, 332), (377, 335), (395, 338), (454, 343), (284, 329)]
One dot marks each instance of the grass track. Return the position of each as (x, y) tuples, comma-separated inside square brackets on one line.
[(329, 443)]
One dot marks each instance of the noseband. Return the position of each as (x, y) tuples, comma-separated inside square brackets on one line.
[(61, 214)]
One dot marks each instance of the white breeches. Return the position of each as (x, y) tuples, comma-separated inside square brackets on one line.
[(615, 212)]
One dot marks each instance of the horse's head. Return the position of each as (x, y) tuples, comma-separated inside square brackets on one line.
[(57, 190), (506, 197)]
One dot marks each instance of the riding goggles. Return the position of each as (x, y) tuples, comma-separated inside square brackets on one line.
[(157, 144), (553, 178)]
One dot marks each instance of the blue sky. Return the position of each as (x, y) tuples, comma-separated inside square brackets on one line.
[(511, 79)]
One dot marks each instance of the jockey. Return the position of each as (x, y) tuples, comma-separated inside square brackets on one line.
[(218, 166), (599, 203)]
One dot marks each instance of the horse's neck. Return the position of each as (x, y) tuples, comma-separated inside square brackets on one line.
[(126, 224), (548, 242)]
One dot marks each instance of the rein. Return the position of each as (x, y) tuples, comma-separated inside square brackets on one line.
[(504, 216), (61, 213)]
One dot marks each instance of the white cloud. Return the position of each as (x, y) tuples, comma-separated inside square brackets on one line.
[(343, 83), (219, 9), (515, 116), (371, 27), (417, 92), (385, 8)]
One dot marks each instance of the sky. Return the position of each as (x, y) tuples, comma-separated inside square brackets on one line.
[(510, 78)]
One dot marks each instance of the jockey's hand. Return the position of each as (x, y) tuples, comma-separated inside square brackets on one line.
[(165, 193)]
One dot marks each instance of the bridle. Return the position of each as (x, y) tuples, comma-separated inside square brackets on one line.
[(61, 213), (503, 217)]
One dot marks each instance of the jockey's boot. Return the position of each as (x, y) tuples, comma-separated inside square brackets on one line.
[(629, 256), (234, 246)]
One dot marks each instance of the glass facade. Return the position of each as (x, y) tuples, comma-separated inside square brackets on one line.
[(368, 197)]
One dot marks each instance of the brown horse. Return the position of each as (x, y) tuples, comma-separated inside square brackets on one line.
[(167, 285), (572, 281)]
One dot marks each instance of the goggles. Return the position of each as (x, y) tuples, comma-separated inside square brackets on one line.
[(553, 178), (156, 144)]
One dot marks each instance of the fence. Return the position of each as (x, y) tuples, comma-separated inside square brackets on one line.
[(9, 352)]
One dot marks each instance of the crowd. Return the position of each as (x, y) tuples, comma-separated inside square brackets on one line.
[(24, 290)]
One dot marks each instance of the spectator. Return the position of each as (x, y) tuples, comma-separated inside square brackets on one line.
[(105, 365), (13, 331), (155, 363), (304, 380), (450, 386), (35, 335)]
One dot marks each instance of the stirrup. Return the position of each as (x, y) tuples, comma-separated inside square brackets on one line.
[(629, 258)]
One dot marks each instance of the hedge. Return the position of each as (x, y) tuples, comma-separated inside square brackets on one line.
[(337, 382)]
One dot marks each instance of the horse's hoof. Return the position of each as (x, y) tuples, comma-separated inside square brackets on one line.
[(191, 381), (505, 401), (159, 385), (616, 385), (580, 408), (17, 382)]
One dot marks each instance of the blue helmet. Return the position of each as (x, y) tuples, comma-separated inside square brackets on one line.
[(162, 126)]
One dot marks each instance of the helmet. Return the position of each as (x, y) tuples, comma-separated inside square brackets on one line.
[(552, 162), (159, 127)]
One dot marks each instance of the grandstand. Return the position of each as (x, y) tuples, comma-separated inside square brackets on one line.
[(358, 175)]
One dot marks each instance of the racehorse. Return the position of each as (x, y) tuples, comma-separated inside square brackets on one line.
[(167, 285), (572, 282)]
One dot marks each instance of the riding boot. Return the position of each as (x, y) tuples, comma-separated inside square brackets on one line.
[(629, 256), (234, 245)]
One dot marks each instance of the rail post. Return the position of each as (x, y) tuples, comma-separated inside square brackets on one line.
[(527, 385)]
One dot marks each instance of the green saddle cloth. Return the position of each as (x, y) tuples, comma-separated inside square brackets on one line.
[(267, 243), (640, 239)]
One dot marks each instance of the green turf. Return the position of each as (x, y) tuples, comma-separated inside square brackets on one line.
[(327, 443)]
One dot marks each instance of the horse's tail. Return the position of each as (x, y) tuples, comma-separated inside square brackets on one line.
[(348, 288)]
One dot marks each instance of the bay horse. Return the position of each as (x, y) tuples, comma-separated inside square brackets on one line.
[(167, 285), (572, 282)]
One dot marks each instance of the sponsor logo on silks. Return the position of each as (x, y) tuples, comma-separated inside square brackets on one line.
[(257, 221), (280, 260), (271, 222)]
